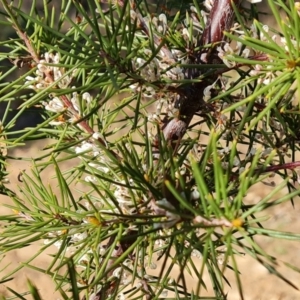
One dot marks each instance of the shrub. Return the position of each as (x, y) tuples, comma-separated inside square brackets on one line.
[(171, 113)]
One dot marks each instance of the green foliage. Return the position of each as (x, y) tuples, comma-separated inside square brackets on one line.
[(106, 76)]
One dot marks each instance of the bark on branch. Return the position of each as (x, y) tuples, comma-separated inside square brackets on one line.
[(190, 98)]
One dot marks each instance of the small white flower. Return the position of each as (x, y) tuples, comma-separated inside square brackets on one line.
[(208, 4), (75, 101), (207, 92), (204, 15), (47, 74), (102, 250), (41, 68), (269, 77), (236, 28), (87, 97), (84, 147), (56, 58), (121, 296), (193, 9), (54, 105), (40, 85), (90, 179), (58, 244), (47, 56), (265, 28), (56, 123), (122, 195), (128, 263), (117, 272), (224, 55), (153, 118), (177, 54), (30, 78), (162, 26), (185, 34), (97, 135), (99, 167), (195, 194), (196, 253), (246, 53), (77, 237)]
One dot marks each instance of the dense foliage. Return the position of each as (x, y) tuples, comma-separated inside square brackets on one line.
[(171, 112)]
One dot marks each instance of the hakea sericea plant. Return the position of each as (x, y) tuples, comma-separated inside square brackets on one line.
[(172, 113)]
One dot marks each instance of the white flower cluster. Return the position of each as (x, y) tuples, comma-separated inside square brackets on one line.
[(123, 195), (225, 53), (47, 73), (126, 196), (75, 100), (164, 66), (164, 106), (157, 68), (75, 238), (265, 74), (87, 147), (56, 105), (122, 273)]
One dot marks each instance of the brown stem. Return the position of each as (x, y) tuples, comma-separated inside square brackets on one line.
[(220, 20), (287, 166), (28, 44), (190, 98)]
